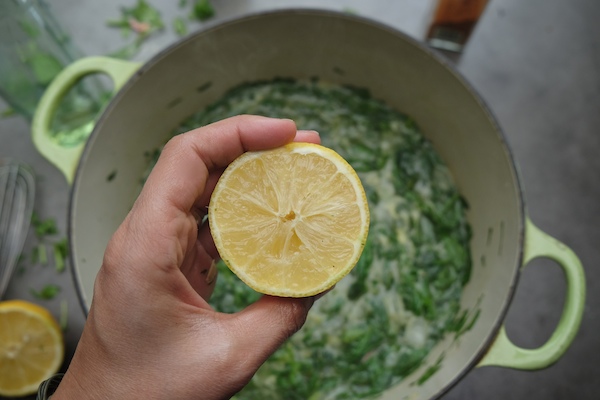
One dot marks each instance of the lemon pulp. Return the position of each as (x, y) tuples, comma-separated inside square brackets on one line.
[(290, 221)]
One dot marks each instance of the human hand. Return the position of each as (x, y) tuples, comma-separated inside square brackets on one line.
[(150, 332)]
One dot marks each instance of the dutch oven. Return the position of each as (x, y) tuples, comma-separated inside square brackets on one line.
[(153, 98)]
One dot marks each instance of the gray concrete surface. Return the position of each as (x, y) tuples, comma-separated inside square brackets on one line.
[(537, 64)]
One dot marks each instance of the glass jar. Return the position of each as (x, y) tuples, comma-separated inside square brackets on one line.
[(33, 50)]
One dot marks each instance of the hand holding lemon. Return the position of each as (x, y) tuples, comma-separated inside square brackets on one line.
[(292, 226)]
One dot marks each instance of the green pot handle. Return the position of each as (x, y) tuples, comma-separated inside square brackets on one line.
[(503, 352), (66, 158)]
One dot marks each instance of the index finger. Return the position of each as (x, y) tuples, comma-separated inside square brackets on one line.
[(182, 170)]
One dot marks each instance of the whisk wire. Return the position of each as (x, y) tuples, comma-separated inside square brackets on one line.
[(17, 193)]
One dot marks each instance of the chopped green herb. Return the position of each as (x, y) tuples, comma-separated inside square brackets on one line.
[(35, 255), (179, 26), (122, 24), (111, 176), (338, 71), (43, 227), (203, 10), (60, 255), (182, 3), (430, 371), (21, 270), (22, 258), (8, 112), (471, 323), (128, 51), (48, 292), (361, 272), (143, 19), (21, 264), (204, 87), (39, 255)]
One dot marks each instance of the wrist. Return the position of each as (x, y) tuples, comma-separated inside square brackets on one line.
[(90, 376), (90, 384)]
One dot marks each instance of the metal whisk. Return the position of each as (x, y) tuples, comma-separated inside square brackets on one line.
[(17, 195)]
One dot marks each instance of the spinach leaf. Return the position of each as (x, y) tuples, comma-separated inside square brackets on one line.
[(48, 292), (142, 19), (179, 26), (202, 10)]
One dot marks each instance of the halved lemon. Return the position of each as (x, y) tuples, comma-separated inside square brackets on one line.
[(291, 221), (31, 347)]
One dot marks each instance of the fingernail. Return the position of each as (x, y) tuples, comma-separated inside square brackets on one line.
[(312, 131)]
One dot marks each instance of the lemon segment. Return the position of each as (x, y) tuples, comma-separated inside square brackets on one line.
[(290, 221), (31, 347)]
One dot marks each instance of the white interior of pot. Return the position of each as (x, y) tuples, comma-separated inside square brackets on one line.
[(339, 49)]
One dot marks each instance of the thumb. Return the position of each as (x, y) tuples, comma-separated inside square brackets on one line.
[(266, 324)]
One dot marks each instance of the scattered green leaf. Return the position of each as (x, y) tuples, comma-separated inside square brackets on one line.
[(111, 176), (43, 227), (204, 87), (474, 319), (21, 265), (179, 26), (48, 292), (8, 112), (60, 255), (430, 371), (143, 19), (182, 3), (21, 270), (202, 10), (128, 51), (39, 255)]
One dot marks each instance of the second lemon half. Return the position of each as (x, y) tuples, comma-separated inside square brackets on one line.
[(290, 221)]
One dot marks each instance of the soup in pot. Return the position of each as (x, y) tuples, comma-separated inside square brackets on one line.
[(379, 323)]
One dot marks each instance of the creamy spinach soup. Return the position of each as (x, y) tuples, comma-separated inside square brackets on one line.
[(380, 321)]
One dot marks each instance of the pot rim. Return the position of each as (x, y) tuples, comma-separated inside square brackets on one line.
[(433, 54)]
